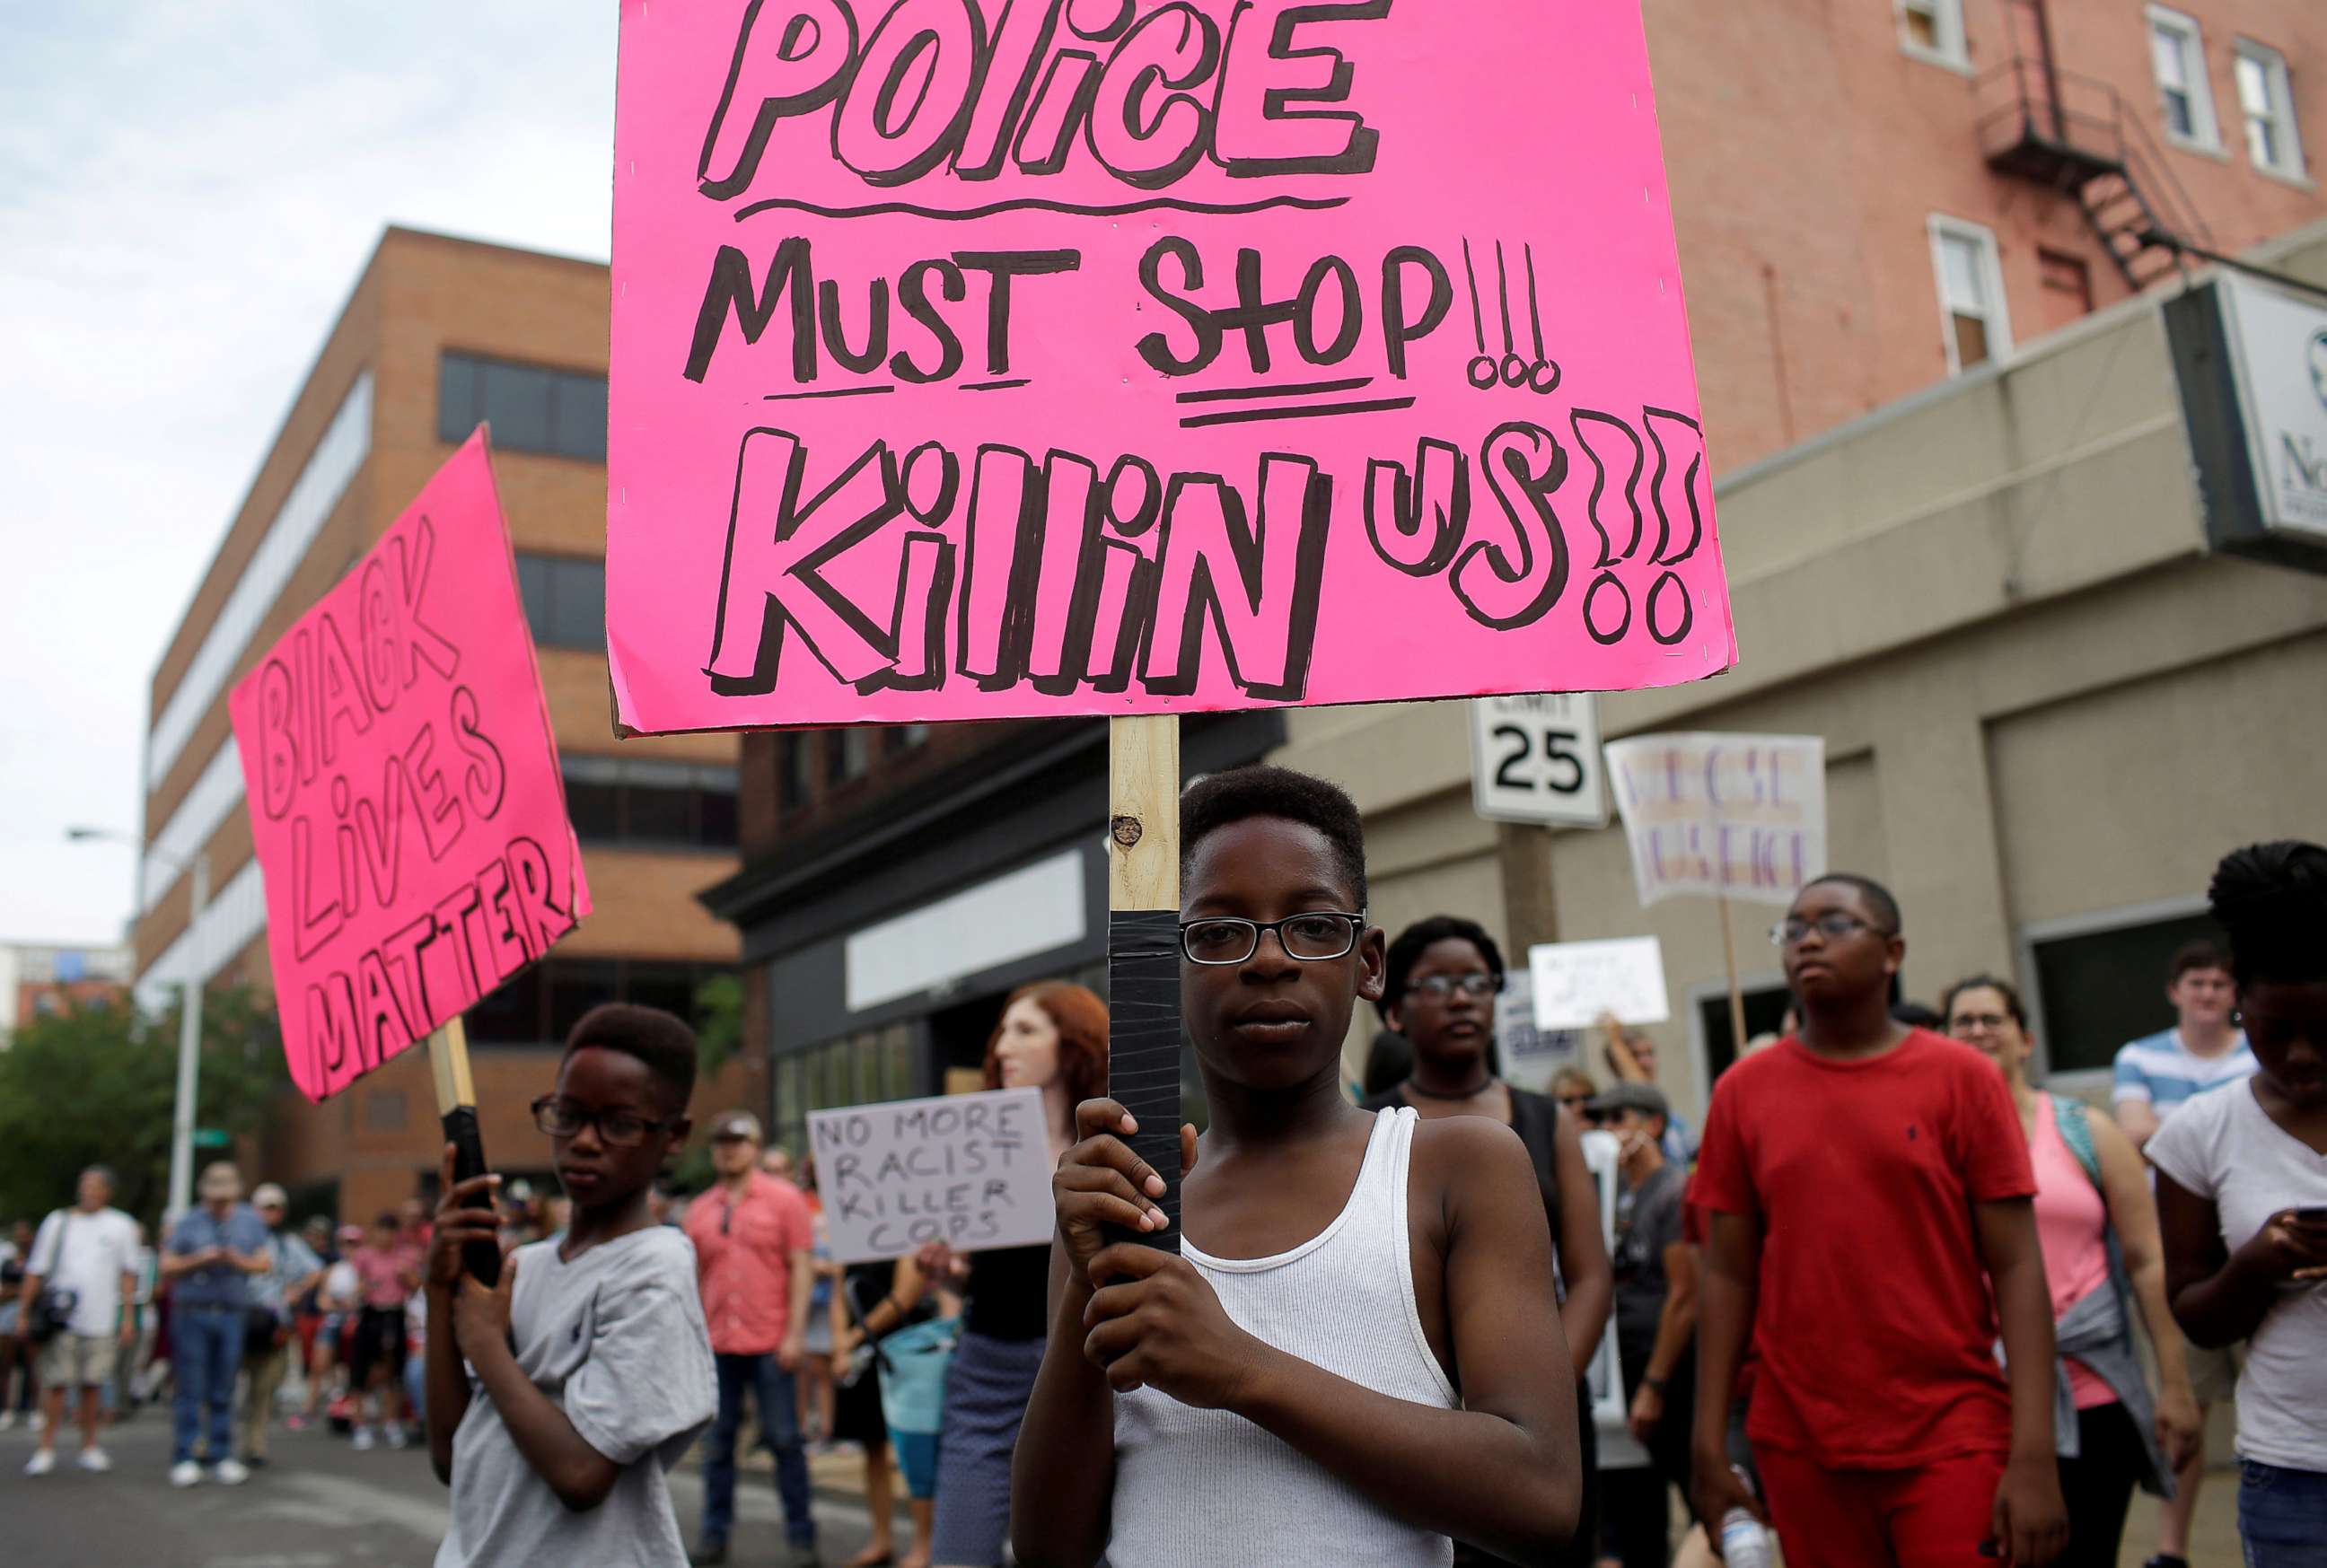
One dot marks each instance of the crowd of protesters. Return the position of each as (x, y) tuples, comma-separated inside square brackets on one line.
[(1893, 1301)]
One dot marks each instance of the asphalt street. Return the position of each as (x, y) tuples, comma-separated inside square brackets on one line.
[(318, 1505)]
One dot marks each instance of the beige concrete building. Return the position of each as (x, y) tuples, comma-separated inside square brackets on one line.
[(437, 335), (2049, 706)]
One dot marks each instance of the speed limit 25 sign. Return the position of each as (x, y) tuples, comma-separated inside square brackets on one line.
[(1536, 759)]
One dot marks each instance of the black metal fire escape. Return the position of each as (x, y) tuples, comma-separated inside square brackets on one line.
[(2073, 134)]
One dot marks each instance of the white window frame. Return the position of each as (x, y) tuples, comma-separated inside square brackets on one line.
[(2205, 128), (1943, 228), (1952, 52), (2281, 88)]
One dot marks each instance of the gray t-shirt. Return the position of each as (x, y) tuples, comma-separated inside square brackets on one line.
[(1653, 1224), (616, 1339)]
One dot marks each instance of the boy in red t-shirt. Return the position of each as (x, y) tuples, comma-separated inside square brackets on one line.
[(1867, 1185)]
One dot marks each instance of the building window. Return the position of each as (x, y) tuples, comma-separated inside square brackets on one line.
[(861, 1068), (2177, 53), (1971, 293), (792, 784), (847, 754), (541, 1004), (565, 600), (1933, 30), (646, 801), (2098, 983), (903, 738), (531, 408), (2267, 101)]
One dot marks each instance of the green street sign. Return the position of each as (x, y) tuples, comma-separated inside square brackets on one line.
[(211, 1138)]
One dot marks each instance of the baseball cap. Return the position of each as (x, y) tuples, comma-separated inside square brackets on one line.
[(1626, 1095), (737, 1125), (352, 1233), (270, 1196)]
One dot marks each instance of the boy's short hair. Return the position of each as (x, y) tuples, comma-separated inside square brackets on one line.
[(1262, 791), (2200, 954), (661, 1040), (1877, 896), (385, 1220), (1418, 938)]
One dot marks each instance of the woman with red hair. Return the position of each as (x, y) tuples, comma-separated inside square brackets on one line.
[(1053, 1036)]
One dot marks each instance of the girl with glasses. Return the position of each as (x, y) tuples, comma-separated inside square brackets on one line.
[(2098, 1228), (1440, 980)]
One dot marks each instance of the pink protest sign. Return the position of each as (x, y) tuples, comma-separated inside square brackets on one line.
[(405, 796), (976, 360)]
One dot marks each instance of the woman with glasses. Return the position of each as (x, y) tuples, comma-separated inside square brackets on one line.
[(2098, 1227), (1440, 981)]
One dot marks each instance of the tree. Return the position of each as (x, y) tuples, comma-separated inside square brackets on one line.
[(96, 1085)]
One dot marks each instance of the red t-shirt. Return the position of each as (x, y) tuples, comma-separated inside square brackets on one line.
[(1875, 1326)]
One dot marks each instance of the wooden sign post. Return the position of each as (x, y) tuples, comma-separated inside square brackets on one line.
[(456, 1108), (1142, 944)]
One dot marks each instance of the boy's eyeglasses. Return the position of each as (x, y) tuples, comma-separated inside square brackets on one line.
[(1832, 925), (1439, 987), (1965, 1023), (617, 1129), (1312, 939)]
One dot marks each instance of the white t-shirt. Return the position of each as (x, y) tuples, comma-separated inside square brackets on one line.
[(2224, 1146), (342, 1288), (97, 1249)]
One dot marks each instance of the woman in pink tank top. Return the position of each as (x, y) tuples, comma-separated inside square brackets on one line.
[(2099, 1229)]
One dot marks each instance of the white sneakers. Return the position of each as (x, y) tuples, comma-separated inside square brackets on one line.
[(185, 1473), (397, 1436), (363, 1439), (230, 1472), (95, 1460), (7, 1419)]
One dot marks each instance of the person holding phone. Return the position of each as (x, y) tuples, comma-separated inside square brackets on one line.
[(2242, 1199)]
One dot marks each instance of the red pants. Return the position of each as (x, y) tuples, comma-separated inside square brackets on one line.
[(1934, 1516)]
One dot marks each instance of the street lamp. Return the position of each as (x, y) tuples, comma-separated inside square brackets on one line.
[(190, 1020)]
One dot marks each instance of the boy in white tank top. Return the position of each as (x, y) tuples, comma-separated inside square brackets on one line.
[(1357, 1359)]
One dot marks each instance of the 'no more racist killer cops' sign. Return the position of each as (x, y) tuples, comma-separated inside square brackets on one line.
[(406, 805), (975, 360)]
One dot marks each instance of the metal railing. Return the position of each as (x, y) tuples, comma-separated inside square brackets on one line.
[(2034, 115)]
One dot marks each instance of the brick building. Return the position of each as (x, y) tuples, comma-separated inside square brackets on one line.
[(437, 335)]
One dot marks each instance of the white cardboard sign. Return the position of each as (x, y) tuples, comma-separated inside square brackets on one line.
[(1736, 815), (971, 1170), (1530, 1056), (1575, 981)]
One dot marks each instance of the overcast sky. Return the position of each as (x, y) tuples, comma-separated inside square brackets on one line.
[(187, 193)]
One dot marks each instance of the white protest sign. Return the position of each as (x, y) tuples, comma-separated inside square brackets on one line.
[(1536, 760), (971, 1170), (1736, 815), (1575, 981), (1530, 1057)]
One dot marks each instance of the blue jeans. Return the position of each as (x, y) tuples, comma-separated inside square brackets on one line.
[(2283, 1516), (205, 1353), (771, 1389)]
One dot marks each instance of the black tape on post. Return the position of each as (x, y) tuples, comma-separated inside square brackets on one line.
[(482, 1258), (1143, 982)]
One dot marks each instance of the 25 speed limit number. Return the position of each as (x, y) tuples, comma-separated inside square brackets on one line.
[(1536, 760)]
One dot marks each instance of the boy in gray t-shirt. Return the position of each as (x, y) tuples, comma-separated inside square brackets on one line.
[(588, 1370)]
